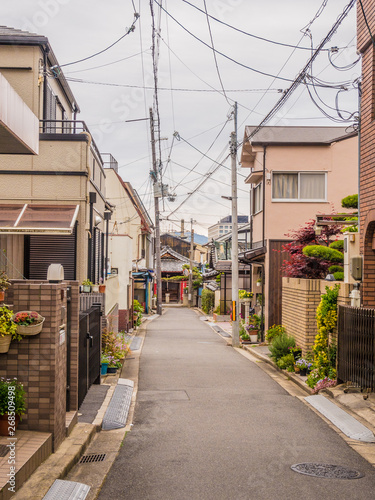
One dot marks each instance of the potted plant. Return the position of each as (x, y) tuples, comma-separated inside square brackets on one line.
[(303, 366), (12, 405), (253, 326), (8, 329), (28, 322), (259, 281), (112, 364), (101, 286), (87, 284), (244, 295), (4, 284), (104, 361), (296, 351), (95, 288)]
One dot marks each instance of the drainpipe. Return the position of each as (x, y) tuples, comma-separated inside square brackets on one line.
[(92, 200), (264, 195), (107, 218), (45, 79)]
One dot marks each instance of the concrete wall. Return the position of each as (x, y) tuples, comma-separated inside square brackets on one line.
[(301, 298)]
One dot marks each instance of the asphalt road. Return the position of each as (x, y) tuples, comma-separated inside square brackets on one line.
[(210, 424)]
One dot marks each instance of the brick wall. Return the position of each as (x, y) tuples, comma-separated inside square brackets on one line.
[(40, 361), (367, 151), (300, 299)]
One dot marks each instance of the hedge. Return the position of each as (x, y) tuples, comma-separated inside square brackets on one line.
[(323, 253)]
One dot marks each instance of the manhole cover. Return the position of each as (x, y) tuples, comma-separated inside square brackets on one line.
[(3, 450), (327, 470), (67, 490), (92, 457)]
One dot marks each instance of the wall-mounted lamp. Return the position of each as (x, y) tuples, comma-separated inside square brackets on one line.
[(98, 220)]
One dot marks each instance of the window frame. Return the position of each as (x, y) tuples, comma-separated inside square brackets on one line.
[(298, 199), (260, 187)]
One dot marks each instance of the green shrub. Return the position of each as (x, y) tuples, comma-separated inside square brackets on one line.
[(217, 309), (286, 363), (208, 300), (280, 346), (339, 276), (335, 269), (324, 253), (350, 201), (337, 245), (273, 332)]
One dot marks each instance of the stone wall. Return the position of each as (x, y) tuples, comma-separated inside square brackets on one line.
[(40, 361), (300, 299)]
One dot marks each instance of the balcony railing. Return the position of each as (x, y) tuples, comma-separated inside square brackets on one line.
[(66, 128), (109, 161)]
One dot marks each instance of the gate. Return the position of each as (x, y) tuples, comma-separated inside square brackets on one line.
[(89, 350), (356, 346)]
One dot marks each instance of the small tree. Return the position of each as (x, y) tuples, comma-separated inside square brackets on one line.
[(303, 266), (208, 300)]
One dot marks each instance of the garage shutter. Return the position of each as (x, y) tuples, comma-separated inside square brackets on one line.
[(45, 250)]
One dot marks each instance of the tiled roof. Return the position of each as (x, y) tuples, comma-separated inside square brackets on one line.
[(13, 34)]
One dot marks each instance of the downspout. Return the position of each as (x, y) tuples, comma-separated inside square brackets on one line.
[(45, 80), (107, 217), (264, 195), (263, 240)]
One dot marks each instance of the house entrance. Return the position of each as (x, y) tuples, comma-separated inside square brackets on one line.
[(173, 289)]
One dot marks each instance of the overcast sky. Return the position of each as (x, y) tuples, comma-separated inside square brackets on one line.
[(77, 29)]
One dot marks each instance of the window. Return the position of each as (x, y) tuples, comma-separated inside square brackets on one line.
[(299, 186), (258, 198)]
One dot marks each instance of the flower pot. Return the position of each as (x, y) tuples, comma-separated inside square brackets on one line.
[(95, 288), (101, 288), (33, 329), (2, 295), (86, 288), (246, 299), (297, 354), (296, 369), (6, 426), (303, 372), (104, 369), (5, 343), (111, 369), (253, 337)]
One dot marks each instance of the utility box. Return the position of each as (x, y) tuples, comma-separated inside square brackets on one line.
[(356, 267), (351, 249)]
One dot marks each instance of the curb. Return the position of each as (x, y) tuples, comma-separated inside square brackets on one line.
[(288, 375), (58, 464)]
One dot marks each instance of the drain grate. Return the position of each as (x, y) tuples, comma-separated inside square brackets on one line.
[(67, 490), (3, 450), (92, 457), (117, 412), (136, 343), (327, 471)]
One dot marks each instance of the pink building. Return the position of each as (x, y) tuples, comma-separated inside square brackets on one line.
[(295, 173)]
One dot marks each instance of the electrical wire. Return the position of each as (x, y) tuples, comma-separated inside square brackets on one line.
[(366, 21), (214, 52), (104, 65), (128, 31), (221, 53), (255, 36), (302, 74), (343, 68)]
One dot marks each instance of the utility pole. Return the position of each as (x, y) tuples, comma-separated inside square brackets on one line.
[(235, 312), (190, 296), (154, 176)]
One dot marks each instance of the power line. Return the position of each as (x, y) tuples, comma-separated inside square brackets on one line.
[(128, 31), (367, 24), (302, 74), (255, 36), (221, 53), (104, 65), (214, 52)]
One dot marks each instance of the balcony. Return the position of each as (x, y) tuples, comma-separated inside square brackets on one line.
[(67, 130), (18, 124)]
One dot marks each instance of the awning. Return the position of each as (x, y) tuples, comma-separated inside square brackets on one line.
[(226, 266), (38, 219)]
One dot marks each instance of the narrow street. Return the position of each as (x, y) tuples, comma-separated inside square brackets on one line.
[(210, 424)]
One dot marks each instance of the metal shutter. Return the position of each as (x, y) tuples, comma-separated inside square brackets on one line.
[(45, 250)]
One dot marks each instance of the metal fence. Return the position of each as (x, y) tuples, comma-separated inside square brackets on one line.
[(356, 346), (89, 350)]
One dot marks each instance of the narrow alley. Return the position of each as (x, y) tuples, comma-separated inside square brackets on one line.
[(210, 424)]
